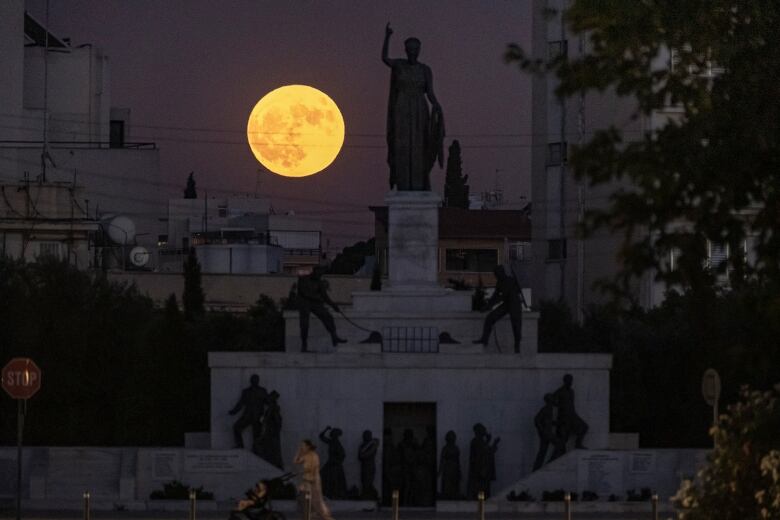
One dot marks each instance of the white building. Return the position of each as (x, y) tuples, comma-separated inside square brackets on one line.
[(566, 266), (44, 220), (56, 104), (238, 236)]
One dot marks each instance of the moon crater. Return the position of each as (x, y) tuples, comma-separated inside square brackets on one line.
[(295, 131)]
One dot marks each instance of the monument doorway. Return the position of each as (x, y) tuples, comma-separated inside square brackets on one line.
[(409, 454)]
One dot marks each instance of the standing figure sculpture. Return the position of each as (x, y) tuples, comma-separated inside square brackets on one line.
[(391, 467), (269, 443), (334, 482), (425, 469), (482, 462), (569, 423), (408, 450), (415, 136), (253, 401), (511, 297), (449, 468), (367, 457), (545, 424), (312, 298)]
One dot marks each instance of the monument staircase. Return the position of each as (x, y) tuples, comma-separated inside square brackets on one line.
[(411, 313)]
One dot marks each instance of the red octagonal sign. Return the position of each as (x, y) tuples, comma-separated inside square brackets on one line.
[(21, 378)]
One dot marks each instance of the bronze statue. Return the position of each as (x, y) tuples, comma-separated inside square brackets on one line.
[(312, 298), (425, 469), (415, 137), (569, 423), (253, 401), (449, 468), (334, 482), (545, 424), (408, 450), (392, 472), (269, 444), (511, 297), (367, 455), (482, 462)]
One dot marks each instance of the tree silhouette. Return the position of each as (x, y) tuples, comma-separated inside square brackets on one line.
[(193, 296), (190, 192), (456, 189), (709, 174)]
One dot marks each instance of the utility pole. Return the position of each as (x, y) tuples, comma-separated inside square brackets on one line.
[(45, 151)]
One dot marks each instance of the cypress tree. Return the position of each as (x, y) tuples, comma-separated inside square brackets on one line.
[(456, 189), (193, 297)]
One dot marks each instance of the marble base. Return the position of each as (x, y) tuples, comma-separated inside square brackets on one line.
[(350, 391), (413, 238), (462, 327), (609, 472), (422, 300)]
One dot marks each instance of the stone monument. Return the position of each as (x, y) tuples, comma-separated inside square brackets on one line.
[(409, 367)]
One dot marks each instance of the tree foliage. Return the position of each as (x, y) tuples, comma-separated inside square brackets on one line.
[(742, 477), (456, 188), (659, 356), (190, 191), (193, 297), (713, 172), (116, 370), (352, 257)]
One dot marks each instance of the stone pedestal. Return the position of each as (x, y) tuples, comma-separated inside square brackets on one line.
[(413, 237)]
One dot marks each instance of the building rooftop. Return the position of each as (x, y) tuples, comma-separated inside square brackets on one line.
[(476, 223)]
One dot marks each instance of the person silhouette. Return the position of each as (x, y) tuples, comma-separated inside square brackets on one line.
[(449, 468), (569, 423), (545, 424), (334, 481), (312, 298), (510, 296), (367, 456), (253, 401)]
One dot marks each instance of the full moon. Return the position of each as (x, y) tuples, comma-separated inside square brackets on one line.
[(295, 131)]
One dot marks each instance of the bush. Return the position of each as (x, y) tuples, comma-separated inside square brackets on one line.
[(175, 490), (742, 477)]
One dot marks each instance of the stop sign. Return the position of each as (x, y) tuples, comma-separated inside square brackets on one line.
[(21, 378)]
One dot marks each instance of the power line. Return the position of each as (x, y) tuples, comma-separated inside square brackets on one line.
[(244, 132)]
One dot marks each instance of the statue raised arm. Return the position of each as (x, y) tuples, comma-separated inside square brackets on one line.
[(415, 134)]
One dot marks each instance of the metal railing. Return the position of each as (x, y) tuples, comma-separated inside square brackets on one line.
[(418, 340)]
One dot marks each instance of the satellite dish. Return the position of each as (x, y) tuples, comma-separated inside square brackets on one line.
[(139, 256), (120, 229)]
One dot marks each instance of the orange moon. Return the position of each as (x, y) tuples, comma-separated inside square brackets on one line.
[(295, 131)]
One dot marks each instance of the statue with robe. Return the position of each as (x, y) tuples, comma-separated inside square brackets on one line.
[(415, 133)]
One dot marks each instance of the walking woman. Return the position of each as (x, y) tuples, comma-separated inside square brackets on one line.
[(310, 480)]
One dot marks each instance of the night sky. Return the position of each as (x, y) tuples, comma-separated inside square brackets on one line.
[(201, 65)]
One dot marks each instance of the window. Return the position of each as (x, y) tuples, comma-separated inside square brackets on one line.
[(116, 134), (222, 210), (556, 154), (517, 250), (718, 254), (50, 249), (471, 260), (558, 48), (556, 249)]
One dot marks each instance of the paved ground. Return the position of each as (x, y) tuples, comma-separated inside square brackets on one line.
[(382, 515)]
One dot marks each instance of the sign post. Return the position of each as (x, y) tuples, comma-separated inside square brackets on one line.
[(710, 390), (21, 379)]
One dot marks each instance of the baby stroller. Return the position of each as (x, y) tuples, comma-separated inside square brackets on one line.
[(260, 508)]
